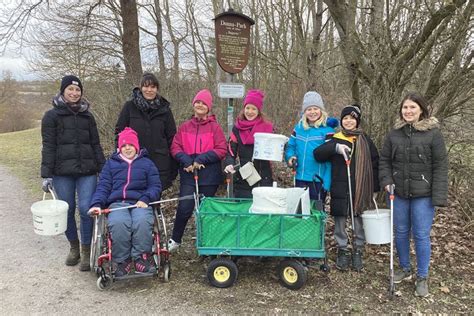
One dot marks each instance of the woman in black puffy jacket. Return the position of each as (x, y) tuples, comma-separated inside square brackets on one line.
[(71, 158), (149, 114), (415, 161)]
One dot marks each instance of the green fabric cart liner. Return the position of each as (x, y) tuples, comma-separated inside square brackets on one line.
[(227, 223)]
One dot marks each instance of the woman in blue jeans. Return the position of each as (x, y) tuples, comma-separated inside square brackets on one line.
[(71, 158), (414, 159)]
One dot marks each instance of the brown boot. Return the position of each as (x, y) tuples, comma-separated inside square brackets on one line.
[(85, 258), (73, 255)]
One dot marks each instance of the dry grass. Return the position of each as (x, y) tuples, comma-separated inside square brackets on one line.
[(21, 154)]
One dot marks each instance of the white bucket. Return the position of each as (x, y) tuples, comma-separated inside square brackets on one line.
[(377, 226), (269, 146), (49, 216)]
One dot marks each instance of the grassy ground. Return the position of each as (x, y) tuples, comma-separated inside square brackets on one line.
[(257, 289), (21, 153)]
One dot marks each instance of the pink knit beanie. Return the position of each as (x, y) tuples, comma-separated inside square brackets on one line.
[(128, 136), (255, 97), (205, 96)]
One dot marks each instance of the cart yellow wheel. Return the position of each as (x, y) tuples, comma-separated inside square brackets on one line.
[(222, 272), (293, 274), (290, 275)]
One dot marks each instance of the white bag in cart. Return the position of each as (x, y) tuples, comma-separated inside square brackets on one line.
[(272, 200)]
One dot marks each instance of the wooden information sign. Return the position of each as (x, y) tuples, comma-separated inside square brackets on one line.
[(232, 40)]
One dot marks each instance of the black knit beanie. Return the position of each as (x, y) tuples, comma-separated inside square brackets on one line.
[(352, 110), (68, 80)]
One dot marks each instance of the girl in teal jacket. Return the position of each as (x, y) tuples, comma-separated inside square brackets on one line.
[(310, 132)]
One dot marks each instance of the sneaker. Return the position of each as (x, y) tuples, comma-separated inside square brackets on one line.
[(357, 263), (421, 287), (123, 268), (173, 245), (343, 259), (401, 275), (145, 264)]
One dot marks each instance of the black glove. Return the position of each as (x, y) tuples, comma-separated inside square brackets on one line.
[(47, 184)]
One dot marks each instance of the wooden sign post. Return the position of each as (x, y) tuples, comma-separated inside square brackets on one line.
[(232, 51)]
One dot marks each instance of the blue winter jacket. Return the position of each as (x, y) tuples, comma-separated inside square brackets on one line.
[(301, 145), (130, 182)]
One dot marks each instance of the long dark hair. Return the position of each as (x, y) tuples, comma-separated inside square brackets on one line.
[(149, 79), (422, 103)]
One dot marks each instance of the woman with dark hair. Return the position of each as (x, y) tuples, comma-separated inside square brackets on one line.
[(414, 159), (149, 114), (71, 158)]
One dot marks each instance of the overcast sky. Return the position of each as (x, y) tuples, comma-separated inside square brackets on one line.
[(17, 66)]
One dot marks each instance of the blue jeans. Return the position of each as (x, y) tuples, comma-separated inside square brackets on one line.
[(413, 217), (186, 207), (131, 231), (66, 188)]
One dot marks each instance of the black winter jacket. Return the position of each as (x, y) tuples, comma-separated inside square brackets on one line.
[(339, 182), (414, 158), (245, 154), (71, 144), (156, 129)]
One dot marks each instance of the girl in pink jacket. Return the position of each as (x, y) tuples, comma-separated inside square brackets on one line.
[(199, 145)]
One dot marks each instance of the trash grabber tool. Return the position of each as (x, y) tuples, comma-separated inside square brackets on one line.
[(392, 283), (196, 180), (351, 204), (227, 181), (108, 210), (293, 171)]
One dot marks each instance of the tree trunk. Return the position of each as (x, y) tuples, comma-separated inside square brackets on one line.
[(131, 42)]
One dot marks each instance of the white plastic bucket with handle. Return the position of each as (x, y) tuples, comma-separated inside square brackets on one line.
[(49, 216), (377, 226), (269, 146)]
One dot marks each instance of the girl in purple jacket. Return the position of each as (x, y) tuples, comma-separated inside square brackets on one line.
[(129, 178), (199, 145)]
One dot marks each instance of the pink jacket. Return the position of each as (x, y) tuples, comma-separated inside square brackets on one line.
[(200, 141)]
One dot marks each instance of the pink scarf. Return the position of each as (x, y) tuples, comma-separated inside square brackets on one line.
[(248, 128)]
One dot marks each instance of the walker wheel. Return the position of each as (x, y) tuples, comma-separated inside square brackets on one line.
[(166, 272), (222, 272), (104, 282), (292, 274)]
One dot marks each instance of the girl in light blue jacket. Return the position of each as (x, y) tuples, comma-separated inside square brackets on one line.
[(310, 132)]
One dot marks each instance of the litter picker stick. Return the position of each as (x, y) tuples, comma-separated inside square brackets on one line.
[(348, 164), (196, 180), (227, 181), (392, 283), (108, 210), (293, 171)]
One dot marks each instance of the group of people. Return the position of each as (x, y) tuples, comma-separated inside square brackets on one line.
[(151, 152)]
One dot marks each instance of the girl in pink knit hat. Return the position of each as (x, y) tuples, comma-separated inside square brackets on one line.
[(199, 145), (250, 120)]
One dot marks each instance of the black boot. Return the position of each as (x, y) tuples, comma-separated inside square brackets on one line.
[(73, 256), (357, 263), (343, 259)]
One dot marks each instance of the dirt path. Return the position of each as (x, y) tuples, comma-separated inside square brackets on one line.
[(33, 278)]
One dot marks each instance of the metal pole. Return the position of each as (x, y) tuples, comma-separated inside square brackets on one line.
[(230, 124)]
